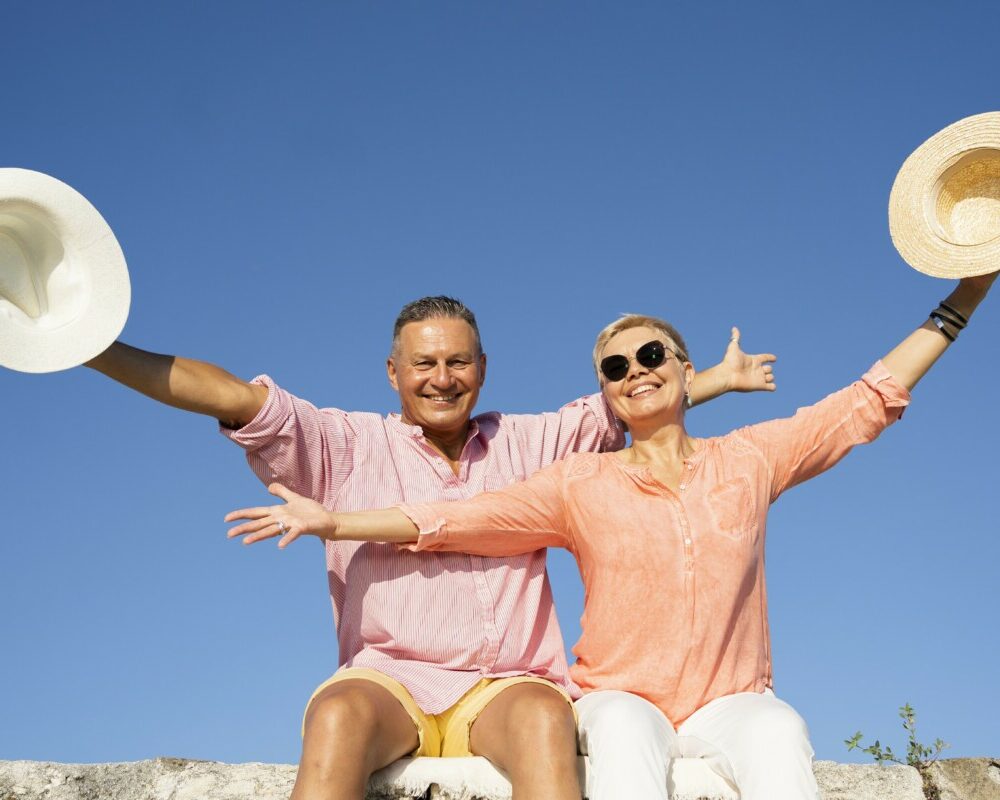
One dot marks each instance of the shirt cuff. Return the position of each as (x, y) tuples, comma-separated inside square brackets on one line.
[(431, 526), (273, 413), (614, 435), (894, 394)]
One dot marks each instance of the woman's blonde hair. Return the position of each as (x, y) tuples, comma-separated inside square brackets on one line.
[(674, 340)]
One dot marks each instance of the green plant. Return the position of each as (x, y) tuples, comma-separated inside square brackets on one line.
[(917, 755)]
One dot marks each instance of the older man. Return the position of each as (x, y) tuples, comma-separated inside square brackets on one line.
[(443, 653)]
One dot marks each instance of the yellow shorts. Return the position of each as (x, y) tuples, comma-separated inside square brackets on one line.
[(445, 734)]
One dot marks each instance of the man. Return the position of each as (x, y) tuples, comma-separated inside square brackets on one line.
[(446, 654)]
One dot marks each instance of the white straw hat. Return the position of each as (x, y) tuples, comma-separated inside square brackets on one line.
[(64, 287), (944, 208)]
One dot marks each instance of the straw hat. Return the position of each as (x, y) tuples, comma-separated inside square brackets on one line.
[(944, 209), (64, 287)]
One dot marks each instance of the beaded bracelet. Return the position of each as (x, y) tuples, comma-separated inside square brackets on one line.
[(940, 321), (957, 314)]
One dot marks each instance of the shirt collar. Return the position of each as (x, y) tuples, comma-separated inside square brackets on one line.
[(416, 432)]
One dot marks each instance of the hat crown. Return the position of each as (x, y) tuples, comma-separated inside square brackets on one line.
[(36, 273), (16, 284), (967, 206)]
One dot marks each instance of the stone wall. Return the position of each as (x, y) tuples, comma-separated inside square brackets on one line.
[(449, 779)]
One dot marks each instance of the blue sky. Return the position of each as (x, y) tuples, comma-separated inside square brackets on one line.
[(283, 179)]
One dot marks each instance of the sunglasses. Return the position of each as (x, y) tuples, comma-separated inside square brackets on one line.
[(650, 355)]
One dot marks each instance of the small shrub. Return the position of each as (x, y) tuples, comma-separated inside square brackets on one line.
[(918, 755)]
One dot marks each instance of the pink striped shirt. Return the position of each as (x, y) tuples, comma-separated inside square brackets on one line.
[(435, 622)]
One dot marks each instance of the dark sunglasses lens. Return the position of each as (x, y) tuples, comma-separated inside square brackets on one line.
[(651, 355), (614, 368)]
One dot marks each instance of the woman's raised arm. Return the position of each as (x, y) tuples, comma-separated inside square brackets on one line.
[(910, 359)]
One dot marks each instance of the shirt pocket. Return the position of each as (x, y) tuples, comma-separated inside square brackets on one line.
[(732, 508)]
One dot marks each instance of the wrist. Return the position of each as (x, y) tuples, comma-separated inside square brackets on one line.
[(712, 382), (728, 381), (968, 295), (721, 381), (330, 526)]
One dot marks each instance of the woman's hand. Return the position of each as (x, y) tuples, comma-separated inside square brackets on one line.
[(737, 372), (298, 516), (748, 373), (978, 285)]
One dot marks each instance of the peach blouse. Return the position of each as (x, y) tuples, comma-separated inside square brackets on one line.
[(675, 608)]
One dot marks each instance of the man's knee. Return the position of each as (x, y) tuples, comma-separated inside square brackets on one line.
[(343, 712), (538, 709), (544, 712), (527, 717)]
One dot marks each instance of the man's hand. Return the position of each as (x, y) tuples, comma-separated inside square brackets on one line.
[(747, 373), (297, 517)]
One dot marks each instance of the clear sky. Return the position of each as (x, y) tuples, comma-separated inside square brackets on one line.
[(283, 178)]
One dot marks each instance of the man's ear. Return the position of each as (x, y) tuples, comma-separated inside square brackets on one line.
[(390, 371), (482, 368)]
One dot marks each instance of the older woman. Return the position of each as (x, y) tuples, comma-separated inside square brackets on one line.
[(669, 538)]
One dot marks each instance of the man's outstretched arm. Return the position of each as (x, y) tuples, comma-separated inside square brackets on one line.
[(183, 383), (737, 372)]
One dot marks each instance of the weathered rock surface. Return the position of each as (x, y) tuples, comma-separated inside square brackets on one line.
[(966, 779), (445, 779), (867, 782)]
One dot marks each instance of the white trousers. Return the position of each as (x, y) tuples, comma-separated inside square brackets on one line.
[(757, 742)]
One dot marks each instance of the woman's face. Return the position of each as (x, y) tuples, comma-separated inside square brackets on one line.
[(647, 396)]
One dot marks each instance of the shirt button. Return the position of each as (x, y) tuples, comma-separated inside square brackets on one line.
[(689, 466), (683, 486), (687, 541)]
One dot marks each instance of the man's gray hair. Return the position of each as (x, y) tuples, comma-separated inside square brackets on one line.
[(436, 307)]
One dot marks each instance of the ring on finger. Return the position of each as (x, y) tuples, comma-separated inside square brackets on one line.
[(282, 527)]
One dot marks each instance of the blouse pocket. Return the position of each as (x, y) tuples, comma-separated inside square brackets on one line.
[(732, 508)]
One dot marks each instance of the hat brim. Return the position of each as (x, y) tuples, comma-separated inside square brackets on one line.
[(87, 290), (917, 232)]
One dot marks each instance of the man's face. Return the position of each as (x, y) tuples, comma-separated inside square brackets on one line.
[(438, 372)]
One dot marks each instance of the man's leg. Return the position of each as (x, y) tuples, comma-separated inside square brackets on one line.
[(528, 730), (352, 728)]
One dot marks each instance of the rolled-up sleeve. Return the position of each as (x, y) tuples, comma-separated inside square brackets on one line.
[(818, 436), (290, 441), (521, 518)]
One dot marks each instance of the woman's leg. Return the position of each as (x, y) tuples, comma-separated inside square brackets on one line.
[(629, 741), (766, 742)]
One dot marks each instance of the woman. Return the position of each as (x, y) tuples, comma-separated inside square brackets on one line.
[(669, 538)]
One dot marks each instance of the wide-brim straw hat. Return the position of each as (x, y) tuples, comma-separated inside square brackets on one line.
[(64, 286), (944, 208)]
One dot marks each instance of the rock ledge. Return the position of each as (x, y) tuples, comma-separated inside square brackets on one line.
[(446, 779)]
